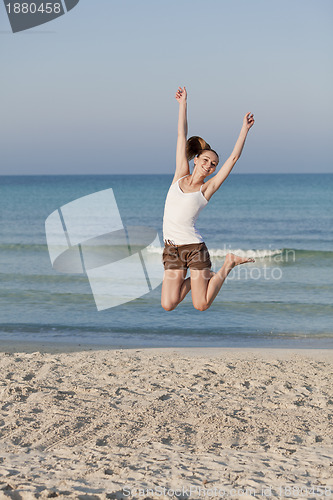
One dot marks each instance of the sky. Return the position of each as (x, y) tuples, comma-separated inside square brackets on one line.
[(92, 92)]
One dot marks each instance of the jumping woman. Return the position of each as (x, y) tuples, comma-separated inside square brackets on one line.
[(188, 195)]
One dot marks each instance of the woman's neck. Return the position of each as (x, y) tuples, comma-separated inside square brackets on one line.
[(195, 179)]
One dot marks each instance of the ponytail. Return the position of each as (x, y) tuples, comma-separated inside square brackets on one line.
[(194, 145)]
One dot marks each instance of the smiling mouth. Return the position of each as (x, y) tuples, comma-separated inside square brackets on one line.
[(205, 169)]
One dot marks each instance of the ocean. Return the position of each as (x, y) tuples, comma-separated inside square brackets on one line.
[(282, 300)]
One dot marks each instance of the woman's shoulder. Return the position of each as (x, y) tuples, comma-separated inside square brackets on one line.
[(177, 179)]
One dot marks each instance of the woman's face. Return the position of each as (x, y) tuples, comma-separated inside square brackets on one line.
[(206, 163)]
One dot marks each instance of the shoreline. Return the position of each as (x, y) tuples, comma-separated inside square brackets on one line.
[(29, 347)]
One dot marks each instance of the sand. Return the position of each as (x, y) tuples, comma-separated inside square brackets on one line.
[(166, 423)]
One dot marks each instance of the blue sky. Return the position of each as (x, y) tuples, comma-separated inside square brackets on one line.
[(93, 91)]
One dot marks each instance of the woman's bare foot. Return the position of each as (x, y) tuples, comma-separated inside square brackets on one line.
[(232, 260)]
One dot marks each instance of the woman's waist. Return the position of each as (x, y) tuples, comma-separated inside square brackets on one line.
[(171, 243), (177, 239)]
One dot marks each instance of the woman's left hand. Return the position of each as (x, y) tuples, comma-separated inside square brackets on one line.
[(181, 95), (248, 121)]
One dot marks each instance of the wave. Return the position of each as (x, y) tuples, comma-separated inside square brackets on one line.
[(259, 253), (218, 252), (256, 253)]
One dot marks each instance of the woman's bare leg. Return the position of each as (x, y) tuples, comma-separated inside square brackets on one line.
[(205, 287), (174, 288)]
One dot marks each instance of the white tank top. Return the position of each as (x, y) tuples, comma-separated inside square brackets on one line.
[(180, 214)]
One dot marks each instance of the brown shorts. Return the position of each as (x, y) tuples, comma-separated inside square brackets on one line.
[(193, 256)]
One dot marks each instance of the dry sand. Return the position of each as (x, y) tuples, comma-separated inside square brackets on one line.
[(182, 423)]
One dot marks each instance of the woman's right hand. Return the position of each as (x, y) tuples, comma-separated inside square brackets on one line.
[(181, 94), (248, 121)]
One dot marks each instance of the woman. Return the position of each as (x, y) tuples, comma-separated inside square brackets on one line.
[(187, 196)]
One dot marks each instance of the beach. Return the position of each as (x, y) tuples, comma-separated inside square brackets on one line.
[(83, 422)]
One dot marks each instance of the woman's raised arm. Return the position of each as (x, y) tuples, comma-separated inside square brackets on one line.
[(182, 165), (215, 182)]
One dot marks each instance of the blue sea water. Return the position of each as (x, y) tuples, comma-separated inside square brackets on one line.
[(283, 300)]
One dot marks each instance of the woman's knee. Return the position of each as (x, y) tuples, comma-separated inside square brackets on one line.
[(168, 305), (200, 306)]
